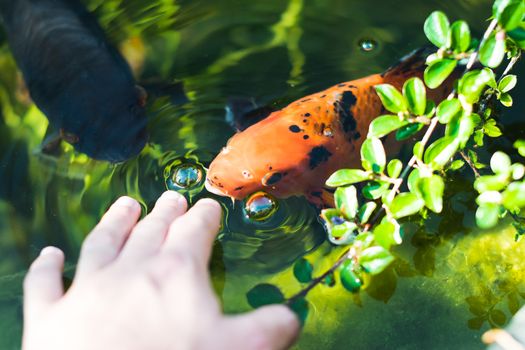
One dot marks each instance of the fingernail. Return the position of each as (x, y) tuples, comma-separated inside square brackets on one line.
[(50, 251), (127, 202), (172, 195), (209, 201)]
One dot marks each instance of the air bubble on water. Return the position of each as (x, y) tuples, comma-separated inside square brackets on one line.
[(260, 206), (185, 176), (367, 44)]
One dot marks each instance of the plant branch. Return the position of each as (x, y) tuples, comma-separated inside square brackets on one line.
[(350, 252), (469, 162)]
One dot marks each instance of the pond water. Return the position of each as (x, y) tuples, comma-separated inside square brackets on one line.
[(451, 281)]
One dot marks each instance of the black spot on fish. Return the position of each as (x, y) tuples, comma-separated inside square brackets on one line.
[(271, 178), (318, 155), (352, 87), (344, 105), (306, 100), (294, 128), (323, 96), (306, 137), (307, 114), (270, 168), (304, 120), (238, 188)]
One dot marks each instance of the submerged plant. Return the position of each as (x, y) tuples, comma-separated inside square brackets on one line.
[(370, 202)]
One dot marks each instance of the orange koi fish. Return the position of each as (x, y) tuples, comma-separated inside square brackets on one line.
[(294, 150)]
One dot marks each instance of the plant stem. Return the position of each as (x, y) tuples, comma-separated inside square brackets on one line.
[(319, 279), (469, 162)]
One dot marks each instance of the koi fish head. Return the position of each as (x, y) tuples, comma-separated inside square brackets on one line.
[(277, 156), (115, 131)]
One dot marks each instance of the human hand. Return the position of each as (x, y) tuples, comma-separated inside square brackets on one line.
[(144, 285)]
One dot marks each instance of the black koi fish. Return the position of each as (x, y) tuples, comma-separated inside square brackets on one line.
[(76, 78)]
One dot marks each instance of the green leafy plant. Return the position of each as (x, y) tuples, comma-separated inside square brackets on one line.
[(368, 221)]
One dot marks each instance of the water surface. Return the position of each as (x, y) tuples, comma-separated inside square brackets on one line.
[(451, 280)]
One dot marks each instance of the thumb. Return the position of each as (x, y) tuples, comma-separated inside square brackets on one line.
[(269, 327)]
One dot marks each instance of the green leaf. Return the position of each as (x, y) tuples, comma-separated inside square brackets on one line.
[(350, 280), (366, 211), (518, 171), (520, 146), (430, 109), (460, 36), (441, 151), (512, 15), (498, 317), (300, 309), (415, 95), (342, 233), (448, 109), (487, 216), (461, 128), (438, 71), (302, 270), (489, 197), (431, 189), (518, 36), (513, 197), (366, 239), (384, 125), (331, 216), (345, 177), (387, 234), (476, 323), (506, 100), (507, 83), (412, 181), (456, 165), (391, 98), (436, 29), (394, 168), (500, 5), (264, 294), (406, 204), (491, 183), (375, 259), (418, 149), (491, 129), (500, 163), (492, 51), (408, 131), (373, 155), (346, 201), (473, 83), (374, 189)]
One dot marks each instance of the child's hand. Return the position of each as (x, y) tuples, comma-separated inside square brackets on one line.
[(144, 286)]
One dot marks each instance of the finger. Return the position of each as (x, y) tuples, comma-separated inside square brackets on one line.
[(148, 236), (43, 282), (104, 243), (270, 327), (194, 233)]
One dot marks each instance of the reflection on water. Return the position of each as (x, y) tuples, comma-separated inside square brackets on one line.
[(449, 280)]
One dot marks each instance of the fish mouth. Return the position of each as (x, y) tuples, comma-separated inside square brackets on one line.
[(212, 189)]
